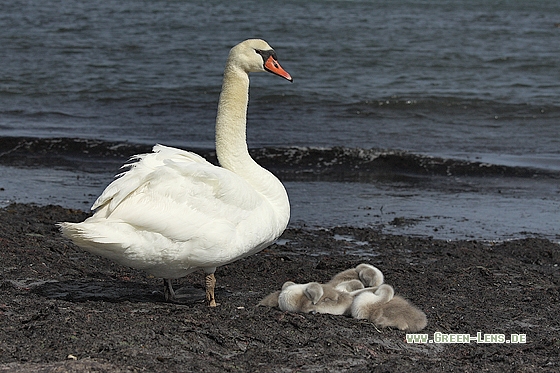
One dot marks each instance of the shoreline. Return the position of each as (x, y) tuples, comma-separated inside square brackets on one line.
[(395, 191), (62, 307)]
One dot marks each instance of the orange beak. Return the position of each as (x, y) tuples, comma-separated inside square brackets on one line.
[(274, 67)]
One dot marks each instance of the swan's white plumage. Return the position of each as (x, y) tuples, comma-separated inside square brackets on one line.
[(174, 212)]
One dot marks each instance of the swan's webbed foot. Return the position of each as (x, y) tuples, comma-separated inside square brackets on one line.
[(188, 294), (168, 292), (174, 296), (210, 285)]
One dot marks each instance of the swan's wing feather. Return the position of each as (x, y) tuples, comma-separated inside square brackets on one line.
[(140, 168), (180, 198)]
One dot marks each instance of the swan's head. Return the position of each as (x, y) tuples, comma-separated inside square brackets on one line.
[(255, 55)]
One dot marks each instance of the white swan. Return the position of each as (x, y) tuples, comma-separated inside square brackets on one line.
[(173, 212)]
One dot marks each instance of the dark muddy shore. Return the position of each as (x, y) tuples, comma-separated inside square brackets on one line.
[(65, 310)]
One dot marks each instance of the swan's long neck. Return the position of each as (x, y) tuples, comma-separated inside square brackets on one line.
[(231, 122), (231, 142)]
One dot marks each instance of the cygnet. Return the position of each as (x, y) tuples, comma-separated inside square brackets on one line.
[(385, 309)]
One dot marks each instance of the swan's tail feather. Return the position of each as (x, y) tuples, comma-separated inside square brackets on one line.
[(90, 239), (114, 241), (93, 238), (80, 235)]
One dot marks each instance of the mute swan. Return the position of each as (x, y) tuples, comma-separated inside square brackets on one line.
[(173, 212), (384, 308)]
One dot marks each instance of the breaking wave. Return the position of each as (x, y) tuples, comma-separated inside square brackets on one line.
[(291, 163)]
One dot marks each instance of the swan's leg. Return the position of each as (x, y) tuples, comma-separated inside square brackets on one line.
[(168, 292), (210, 285)]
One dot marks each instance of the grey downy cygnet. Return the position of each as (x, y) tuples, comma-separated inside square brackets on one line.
[(385, 309)]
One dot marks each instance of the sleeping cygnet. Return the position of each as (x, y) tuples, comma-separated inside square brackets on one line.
[(352, 280), (364, 275), (384, 308), (271, 300), (314, 297)]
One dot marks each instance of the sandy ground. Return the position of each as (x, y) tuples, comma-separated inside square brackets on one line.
[(62, 309)]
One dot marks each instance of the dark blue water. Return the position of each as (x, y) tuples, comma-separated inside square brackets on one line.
[(475, 81)]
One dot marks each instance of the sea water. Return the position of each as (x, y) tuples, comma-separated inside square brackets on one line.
[(463, 81)]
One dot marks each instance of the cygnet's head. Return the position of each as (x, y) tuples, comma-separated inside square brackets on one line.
[(369, 275), (314, 297)]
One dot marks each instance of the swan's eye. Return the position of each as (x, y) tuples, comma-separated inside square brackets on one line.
[(267, 54)]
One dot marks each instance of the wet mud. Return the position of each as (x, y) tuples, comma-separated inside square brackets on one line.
[(62, 309)]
